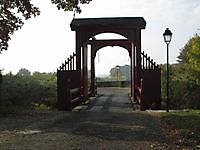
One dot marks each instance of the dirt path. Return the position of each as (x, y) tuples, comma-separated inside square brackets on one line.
[(107, 123)]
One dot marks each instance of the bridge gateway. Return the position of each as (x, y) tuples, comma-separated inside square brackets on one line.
[(73, 74)]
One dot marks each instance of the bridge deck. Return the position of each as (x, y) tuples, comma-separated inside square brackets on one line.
[(111, 100)]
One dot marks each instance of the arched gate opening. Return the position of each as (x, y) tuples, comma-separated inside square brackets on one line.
[(106, 67)]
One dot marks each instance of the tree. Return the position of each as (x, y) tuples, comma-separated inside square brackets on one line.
[(185, 76), (10, 21), (116, 73), (183, 55), (70, 5), (194, 58), (14, 12), (25, 91), (126, 72), (24, 72)]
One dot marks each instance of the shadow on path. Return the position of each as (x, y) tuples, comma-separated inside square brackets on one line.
[(108, 123), (111, 118)]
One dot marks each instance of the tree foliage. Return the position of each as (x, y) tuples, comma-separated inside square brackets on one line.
[(116, 73), (185, 77), (24, 72), (14, 12), (190, 57), (194, 58), (183, 55), (190, 53), (28, 90), (70, 5), (120, 73)]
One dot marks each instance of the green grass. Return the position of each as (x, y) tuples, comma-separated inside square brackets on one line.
[(23, 109), (188, 125)]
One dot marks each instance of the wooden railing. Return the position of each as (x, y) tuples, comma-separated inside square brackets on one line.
[(147, 62), (69, 87), (74, 96), (147, 65), (69, 64)]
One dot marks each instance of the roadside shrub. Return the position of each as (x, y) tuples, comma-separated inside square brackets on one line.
[(26, 90)]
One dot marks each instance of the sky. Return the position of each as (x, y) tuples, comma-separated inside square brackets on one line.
[(46, 41)]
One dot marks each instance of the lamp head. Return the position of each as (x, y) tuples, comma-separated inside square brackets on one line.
[(167, 36)]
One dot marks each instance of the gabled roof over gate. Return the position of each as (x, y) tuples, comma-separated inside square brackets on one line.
[(114, 23)]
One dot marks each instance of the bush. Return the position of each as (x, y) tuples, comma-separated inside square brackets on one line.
[(26, 90), (183, 89)]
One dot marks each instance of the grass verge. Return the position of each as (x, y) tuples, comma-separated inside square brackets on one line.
[(24, 109), (186, 124)]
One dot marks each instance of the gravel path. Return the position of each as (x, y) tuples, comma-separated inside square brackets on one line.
[(108, 123)]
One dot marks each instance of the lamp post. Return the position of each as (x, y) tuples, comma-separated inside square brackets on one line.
[(117, 67), (167, 38)]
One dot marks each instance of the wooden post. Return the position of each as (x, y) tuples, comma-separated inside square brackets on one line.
[(92, 71), (146, 61), (85, 72), (78, 51), (138, 64), (133, 71), (71, 57), (149, 63), (138, 57), (143, 64), (78, 56)]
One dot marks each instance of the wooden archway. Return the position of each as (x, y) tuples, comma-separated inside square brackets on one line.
[(87, 28)]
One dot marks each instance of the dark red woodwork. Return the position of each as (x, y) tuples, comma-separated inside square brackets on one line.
[(151, 94), (67, 80), (130, 28)]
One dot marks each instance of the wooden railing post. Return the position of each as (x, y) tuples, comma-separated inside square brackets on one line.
[(145, 94)]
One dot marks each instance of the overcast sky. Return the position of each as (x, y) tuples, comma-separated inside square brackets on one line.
[(46, 41)]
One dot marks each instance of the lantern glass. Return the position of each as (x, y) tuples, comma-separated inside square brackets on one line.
[(167, 36)]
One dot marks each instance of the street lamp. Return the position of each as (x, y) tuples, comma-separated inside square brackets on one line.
[(117, 67), (167, 38)]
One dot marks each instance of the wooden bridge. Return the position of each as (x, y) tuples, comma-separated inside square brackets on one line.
[(72, 75)]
